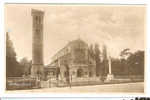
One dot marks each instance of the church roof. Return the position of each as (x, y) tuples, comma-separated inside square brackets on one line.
[(77, 41)]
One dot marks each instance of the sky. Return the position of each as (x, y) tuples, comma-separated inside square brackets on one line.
[(118, 27)]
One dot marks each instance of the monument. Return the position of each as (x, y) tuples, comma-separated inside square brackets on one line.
[(110, 76), (37, 69)]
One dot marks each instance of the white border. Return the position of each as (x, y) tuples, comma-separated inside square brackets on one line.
[(2, 49)]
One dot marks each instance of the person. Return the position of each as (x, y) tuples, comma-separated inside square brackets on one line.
[(102, 78), (38, 79), (68, 75), (49, 82), (57, 74)]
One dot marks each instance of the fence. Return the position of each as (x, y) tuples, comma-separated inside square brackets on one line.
[(20, 83), (91, 81), (30, 83)]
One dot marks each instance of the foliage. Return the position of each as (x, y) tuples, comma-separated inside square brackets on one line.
[(26, 66), (97, 59), (91, 51), (104, 69), (125, 53), (13, 67), (104, 54), (132, 65), (136, 63)]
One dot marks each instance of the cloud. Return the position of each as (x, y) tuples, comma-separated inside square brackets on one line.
[(118, 27)]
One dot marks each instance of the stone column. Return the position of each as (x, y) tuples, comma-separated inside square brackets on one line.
[(110, 76), (109, 64)]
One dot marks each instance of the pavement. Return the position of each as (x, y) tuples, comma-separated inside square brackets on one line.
[(137, 87)]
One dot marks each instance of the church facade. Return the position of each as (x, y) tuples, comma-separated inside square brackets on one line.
[(76, 56)]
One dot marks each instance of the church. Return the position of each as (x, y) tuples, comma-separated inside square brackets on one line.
[(75, 54)]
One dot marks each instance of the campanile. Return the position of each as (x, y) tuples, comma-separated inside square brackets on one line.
[(37, 43)]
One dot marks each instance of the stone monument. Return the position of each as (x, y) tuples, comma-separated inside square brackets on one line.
[(110, 76)]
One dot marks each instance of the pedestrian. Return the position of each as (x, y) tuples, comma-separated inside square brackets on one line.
[(49, 82), (68, 75), (57, 74)]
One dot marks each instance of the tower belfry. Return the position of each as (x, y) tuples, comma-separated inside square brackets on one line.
[(37, 43)]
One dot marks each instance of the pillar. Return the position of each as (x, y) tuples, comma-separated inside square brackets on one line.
[(110, 76)]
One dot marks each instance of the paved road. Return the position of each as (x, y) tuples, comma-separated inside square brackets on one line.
[(109, 88)]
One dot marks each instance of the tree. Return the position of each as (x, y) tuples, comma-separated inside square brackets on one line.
[(136, 63), (104, 52), (125, 53), (117, 67), (12, 66), (10, 52), (26, 66), (91, 51), (23, 61), (132, 63), (97, 59), (105, 61)]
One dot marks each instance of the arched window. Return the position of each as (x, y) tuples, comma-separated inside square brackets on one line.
[(38, 19), (90, 74), (79, 72)]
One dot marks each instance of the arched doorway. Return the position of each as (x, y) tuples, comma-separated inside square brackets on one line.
[(90, 74), (79, 72)]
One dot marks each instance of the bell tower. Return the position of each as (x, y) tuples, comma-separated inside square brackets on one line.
[(37, 43)]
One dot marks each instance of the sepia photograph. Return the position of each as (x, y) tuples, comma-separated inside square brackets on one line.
[(75, 48)]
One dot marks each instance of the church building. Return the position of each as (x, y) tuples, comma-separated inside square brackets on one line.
[(75, 54)]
